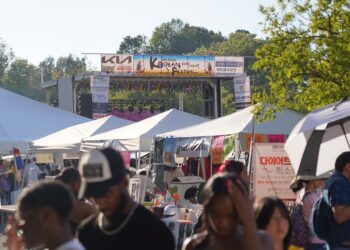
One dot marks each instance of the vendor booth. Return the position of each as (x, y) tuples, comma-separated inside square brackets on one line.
[(224, 137)]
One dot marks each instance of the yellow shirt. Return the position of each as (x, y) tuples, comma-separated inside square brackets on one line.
[(295, 248)]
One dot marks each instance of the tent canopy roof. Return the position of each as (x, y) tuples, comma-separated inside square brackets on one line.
[(69, 139), (240, 122), (24, 120), (139, 135)]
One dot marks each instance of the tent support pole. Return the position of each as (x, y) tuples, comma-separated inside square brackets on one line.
[(250, 161), (139, 160), (211, 165)]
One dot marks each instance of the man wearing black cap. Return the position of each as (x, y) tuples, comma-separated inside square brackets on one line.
[(121, 223)]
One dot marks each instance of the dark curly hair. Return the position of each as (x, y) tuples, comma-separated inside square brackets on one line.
[(51, 194)]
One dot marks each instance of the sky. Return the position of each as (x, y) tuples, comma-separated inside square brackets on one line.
[(36, 29)]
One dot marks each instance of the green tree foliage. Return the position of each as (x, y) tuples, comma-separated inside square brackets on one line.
[(6, 56), (178, 37), (70, 65), (134, 45), (24, 78), (48, 68), (307, 56)]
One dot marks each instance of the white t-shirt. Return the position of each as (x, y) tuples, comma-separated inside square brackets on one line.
[(71, 245), (31, 173)]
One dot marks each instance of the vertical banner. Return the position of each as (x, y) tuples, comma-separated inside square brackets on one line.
[(272, 171), (217, 146), (242, 91), (168, 150), (18, 159), (158, 150), (100, 95), (228, 147)]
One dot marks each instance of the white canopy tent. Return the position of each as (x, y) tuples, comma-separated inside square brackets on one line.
[(241, 121), (24, 120), (139, 135), (69, 139)]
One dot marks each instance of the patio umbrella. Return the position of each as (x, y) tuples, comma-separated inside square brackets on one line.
[(318, 139)]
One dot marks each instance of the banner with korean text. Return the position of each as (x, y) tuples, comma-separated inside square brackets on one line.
[(272, 171)]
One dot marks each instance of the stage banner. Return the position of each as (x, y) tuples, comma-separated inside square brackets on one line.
[(272, 171), (100, 95), (116, 63), (192, 147), (229, 65), (172, 65), (217, 146)]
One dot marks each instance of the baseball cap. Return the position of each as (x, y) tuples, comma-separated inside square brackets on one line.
[(99, 170)]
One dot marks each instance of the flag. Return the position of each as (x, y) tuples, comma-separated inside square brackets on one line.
[(18, 159)]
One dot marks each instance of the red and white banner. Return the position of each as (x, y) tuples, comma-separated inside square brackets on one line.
[(272, 171)]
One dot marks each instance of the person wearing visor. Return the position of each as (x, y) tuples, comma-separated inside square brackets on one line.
[(105, 180)]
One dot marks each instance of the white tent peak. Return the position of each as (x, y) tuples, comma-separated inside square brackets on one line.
[(69, 139), (240, 122), (139, 135), (24, 120)]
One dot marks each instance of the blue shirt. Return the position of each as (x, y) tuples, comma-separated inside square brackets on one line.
[(338, 188)]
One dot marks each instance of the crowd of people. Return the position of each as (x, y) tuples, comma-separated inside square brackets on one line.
[(91, 208)]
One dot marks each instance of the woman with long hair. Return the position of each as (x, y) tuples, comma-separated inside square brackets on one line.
[(272, 215), (228, 220)]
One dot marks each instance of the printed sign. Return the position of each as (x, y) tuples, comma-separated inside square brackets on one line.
[(168, 151), (217, 146), (158, 150), (100, 95), (259, 138), (272, 171), (225, 65), (242, 89), (229, 146), (192, 147), (172, 65), (114, 63), (276, 138)]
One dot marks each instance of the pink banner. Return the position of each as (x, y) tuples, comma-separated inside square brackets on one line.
[(216, 149), (276, 138), (135, 115)]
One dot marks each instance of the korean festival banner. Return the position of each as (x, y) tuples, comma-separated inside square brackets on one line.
[(172, 65)]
